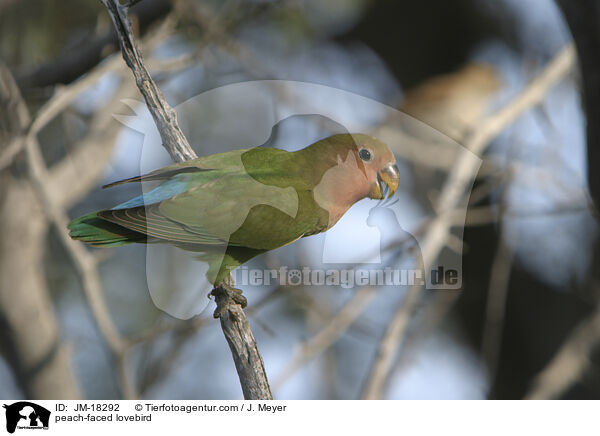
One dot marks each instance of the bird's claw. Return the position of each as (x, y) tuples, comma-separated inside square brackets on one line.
[(226, 295)]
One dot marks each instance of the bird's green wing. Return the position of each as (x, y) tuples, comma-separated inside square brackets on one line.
[(220, 161), (238, 202)]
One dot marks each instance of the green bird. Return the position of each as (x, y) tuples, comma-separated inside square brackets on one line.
[(230, 207)]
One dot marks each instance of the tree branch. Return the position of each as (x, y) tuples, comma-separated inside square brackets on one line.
[(570, 362), (31, 338), (165, 117), (248, 361), (85, 262)]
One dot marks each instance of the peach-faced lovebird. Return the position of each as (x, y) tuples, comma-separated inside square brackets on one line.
[(230, 207)]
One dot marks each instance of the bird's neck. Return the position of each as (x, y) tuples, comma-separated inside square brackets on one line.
[(339, 182)]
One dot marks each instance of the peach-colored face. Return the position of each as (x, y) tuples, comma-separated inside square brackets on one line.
[(363, 172), (379, 165)]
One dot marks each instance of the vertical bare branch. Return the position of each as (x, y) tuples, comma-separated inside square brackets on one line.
[(248, 361), (164, 115), (498, 288), (496, 305)]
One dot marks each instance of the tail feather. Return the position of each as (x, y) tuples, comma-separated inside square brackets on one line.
[(100, 233)]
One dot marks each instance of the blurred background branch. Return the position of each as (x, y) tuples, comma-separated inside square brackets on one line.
[(570, 363), (450, 198), (31, 335)]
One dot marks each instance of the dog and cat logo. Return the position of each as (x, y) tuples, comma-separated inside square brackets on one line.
[(26, 415)]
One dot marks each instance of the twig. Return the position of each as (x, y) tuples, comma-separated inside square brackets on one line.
[(495, 311), (65, 95), (496, 305), (451, 196), (54, 106), (328, 335), (216, 32), (181, 331), (153, 371), (164, 115), (248, 361), (571, 361)]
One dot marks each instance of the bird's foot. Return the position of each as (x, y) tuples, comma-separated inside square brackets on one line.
[(225, 296)]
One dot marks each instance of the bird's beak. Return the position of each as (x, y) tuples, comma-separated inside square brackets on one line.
[(389, 176)]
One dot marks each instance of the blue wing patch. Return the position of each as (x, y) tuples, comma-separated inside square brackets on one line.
[(164, 191)]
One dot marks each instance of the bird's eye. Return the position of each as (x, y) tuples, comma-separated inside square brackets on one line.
[(365, 154)]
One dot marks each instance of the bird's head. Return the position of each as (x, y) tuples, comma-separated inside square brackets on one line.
[(348, 168), (379, 165)]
